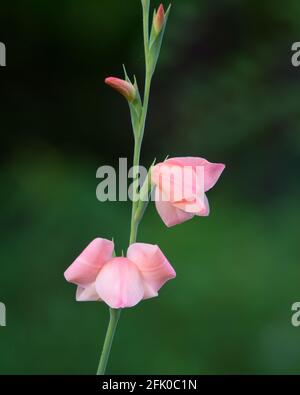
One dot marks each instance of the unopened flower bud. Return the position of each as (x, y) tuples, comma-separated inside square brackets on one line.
[(159, 19), (125, 88)]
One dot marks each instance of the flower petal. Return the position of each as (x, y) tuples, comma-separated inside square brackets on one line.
[(196, 206), (119, 284), (169, 214), (175, 182), (86, 267), (206, 210), (88, 294), (212, 171), (154, 266)]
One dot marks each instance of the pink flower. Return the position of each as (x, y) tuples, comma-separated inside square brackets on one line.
[(119, 282), (125, 88), (180, 186), (159, 19)]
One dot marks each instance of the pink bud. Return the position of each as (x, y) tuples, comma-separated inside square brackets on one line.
[(159, 19), (125, 88)]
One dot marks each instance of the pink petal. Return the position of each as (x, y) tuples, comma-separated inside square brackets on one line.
[(205, 210), (212, 171), (169, 214), (86, 267), (119, 284), (176, 183), (154, 266), (193, 207), (88, 294)]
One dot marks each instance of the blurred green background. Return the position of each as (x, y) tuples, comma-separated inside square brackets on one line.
[(225, 89)]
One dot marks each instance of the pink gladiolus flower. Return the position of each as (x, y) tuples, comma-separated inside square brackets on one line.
[(180, 186), (159, 19), (125, 88), (119, 282)]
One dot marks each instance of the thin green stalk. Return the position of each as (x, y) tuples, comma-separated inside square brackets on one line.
[(134, 224), (139, 136), (136, 158), (113, 322)]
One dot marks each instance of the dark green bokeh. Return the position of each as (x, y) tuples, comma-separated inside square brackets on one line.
[(225, 89)]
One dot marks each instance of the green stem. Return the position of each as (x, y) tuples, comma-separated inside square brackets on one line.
[(113, 322), (134, 224), (139, 136)]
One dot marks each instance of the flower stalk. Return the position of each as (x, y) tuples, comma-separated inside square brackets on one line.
[(111, 330), (139, 113)]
